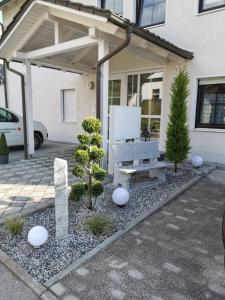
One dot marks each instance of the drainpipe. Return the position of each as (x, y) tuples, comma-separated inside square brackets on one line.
[(23, 106), (102, 61), (4, 71)]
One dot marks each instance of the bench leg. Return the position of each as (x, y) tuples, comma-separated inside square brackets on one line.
[(121, 179), (159, 173)]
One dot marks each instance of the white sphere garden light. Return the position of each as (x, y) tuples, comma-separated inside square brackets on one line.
[(120, 196), (37, 236), (197, 161)]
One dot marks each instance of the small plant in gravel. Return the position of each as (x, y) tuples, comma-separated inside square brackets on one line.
[(88, 156), (98, 224), (178, 140), (15, 225), (4, 150)]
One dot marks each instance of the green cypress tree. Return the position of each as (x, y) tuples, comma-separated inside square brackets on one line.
[(178, 140)]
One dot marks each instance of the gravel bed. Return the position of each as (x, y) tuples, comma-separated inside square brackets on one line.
[(45, 262)]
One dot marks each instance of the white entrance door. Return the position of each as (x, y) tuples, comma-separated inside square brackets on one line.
[(145, 90), (9, 124)]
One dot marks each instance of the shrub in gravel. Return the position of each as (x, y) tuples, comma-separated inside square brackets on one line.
[(15, 225), (178, 140), (77, 191), (88, 156), (4, 150), (98, 224)]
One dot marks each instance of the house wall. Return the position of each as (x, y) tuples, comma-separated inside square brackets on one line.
[(200, 33), (47, 85)]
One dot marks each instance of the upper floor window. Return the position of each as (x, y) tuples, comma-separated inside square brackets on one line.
[(211, 103), (205, 5), (114, 5), (151, 12)]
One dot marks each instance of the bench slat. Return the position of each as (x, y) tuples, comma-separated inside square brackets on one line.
[(144, 167)]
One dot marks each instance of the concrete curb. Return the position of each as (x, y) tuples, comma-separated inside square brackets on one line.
[(121, 233), (30, 210), (22, 275)]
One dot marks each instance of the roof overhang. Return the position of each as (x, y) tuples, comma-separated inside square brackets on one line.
[(64, 35), (4, 2)]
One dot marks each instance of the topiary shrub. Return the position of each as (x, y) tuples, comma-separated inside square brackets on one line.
[(98, 224), (15, 225), (77, 191), (88, 156), (4, 150)]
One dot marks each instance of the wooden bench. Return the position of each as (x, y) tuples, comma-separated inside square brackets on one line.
[(137, 152)]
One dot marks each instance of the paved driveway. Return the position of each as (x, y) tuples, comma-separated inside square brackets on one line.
[(176, 254), (25, 183)]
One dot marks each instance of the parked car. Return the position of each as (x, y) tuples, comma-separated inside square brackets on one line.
[(12, 126)]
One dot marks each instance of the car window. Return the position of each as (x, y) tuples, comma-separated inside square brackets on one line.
[(6, 116)]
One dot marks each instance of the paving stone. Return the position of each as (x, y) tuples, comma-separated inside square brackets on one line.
[(172, 226), (82, 271), (172, 268), (182, 218), (135, 274), (70, 297), (27, 182), (58, 289)]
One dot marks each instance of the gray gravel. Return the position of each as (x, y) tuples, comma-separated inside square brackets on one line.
[(53, 257)]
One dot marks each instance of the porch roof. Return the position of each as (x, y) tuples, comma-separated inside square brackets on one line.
[(107, 14)]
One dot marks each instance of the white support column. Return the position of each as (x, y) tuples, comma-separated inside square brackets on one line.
[(129, 10), (103, 50), (29, 108)]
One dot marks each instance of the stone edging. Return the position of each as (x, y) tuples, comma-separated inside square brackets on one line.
[(41, 290), (19, 272), (30, 210), (132, 224)]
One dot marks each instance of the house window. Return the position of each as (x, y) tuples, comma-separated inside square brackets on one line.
[(145, 90), (68, 105), (114, 5), (114, 92), (151, 12), (206, 5), (211, 104)]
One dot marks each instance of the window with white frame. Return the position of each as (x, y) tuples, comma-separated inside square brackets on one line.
[(114, 5), (206, 5), (68, 105), (210, 111), (145, 90), (151, 12)]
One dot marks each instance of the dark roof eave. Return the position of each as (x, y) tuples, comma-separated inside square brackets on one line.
[(111, 17), (2, 3)]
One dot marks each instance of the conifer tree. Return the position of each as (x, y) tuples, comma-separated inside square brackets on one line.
[(178, 140)]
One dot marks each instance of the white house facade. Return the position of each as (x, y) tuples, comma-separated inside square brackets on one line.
[(138, 75)]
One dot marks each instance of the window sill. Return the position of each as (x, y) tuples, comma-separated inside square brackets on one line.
[(217, 130), (198, 14), (154, 26), (69, 122)]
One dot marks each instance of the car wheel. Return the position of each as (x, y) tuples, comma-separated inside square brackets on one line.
[(37, 141)]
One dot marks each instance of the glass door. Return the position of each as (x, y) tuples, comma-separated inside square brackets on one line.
[(145, 90)]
